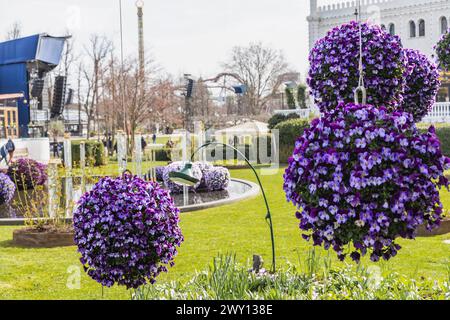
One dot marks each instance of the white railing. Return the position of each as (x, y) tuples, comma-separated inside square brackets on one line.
[(439, 114), (302, 113), (70, 116)]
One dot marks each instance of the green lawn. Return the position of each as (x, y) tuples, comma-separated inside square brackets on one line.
[(239, 228)]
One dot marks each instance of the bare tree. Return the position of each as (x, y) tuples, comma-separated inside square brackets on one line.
[(261, 69), (68, 56), (14, 32), (97, 51)]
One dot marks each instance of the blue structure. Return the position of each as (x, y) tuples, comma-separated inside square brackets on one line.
[(19, 59)]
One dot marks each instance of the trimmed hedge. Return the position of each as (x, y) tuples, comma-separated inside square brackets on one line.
[(279, 118), (290, 131), (95, 153)]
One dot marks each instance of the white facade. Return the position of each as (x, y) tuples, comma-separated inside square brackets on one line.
[(434, 15)]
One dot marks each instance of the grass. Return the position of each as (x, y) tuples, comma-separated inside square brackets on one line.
[(238, 228)]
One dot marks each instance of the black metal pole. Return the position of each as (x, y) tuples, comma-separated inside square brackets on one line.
[(269, 215)]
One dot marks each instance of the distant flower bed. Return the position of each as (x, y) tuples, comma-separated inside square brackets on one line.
[(364, 176), (127, 231), (217, 179), (422, 85), (210, 178), (7, 189), (27, 174), (334, 63)]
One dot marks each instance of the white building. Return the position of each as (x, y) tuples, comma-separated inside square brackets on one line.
[(419, 23)]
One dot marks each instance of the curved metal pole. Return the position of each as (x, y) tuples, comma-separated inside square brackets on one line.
[(269, 215)]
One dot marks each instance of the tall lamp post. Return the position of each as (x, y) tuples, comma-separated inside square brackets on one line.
[(185, 177)]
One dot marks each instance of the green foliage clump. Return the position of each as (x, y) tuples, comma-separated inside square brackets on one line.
[(225, 279), (290, 99), (290, 131), (301, 96), (279, 118), (95, 153)]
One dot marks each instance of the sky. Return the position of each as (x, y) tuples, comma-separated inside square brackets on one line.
[(193, 36)]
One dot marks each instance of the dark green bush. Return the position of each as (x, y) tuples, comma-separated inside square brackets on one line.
[(95, 153), (279, 118), (289, 132)]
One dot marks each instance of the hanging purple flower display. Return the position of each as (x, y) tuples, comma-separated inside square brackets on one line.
[(217, 179), (27, 173), (422, 85), (365, 176), (443, 51), (127, 231), (175, 167), (7, 189), (334, 64)]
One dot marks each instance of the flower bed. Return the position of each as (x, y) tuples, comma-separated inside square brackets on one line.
[(27, 174), (217, 179)]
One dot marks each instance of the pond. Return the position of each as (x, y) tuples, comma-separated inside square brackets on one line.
[(238, 190)]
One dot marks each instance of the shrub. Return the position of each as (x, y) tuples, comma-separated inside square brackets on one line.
[(177, 166), (334, 65), (217, 179), (7, 189), (127, 231), (278, 118), (95, 153), (27, 174), (289, 132), (443, 51), (301, 96), (422, 85), (363, 176)]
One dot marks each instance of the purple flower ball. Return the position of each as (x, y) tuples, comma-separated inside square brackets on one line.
[(422, 85), (127, 231), (217, 179), (334, 64), (364, 176), (7, 189)]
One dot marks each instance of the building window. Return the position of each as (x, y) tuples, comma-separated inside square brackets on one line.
[(383, 27), (444, 25), (392, 29), (412, 29), (421, 28)]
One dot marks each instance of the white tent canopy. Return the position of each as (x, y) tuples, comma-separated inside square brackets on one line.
[(249, 128)]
